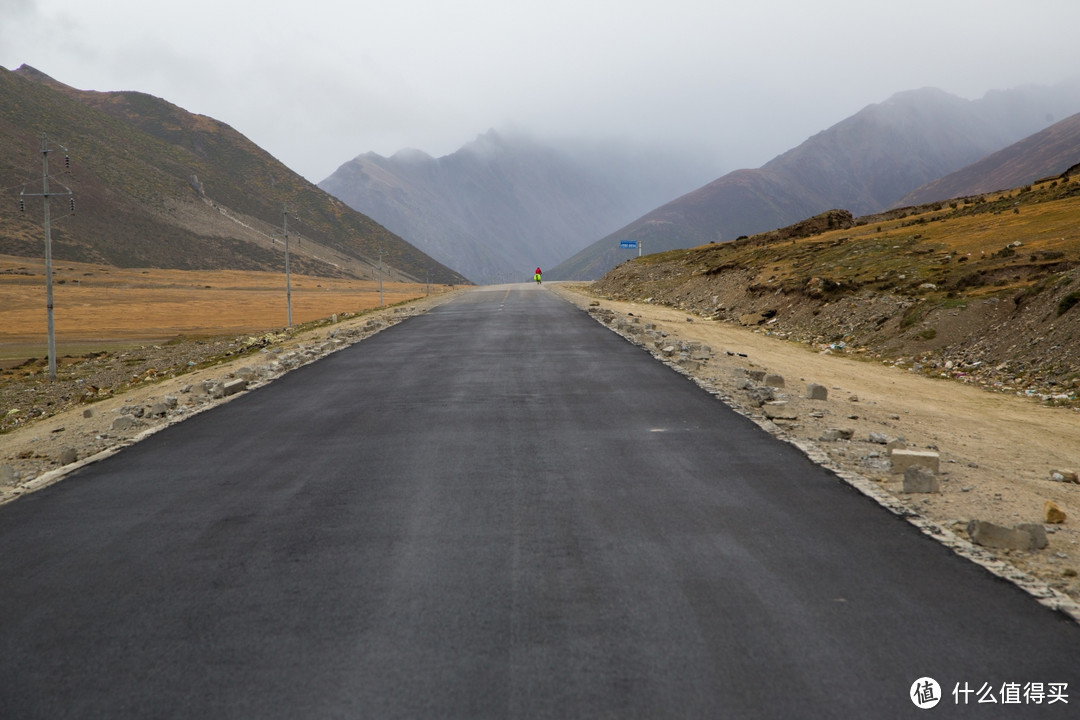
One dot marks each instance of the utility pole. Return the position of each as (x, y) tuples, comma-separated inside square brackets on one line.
[(45, 194), (288, 281), (380, 277)]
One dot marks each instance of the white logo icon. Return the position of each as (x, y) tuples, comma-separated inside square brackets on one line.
[(925, 693)]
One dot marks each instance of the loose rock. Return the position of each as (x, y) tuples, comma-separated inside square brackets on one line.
[(689, 365), (124, 422), (779, 410), (918, 479), (834, 434), (234, 386), (903, 459), (1066, 476), (773, 380), (760, 394), (1053, 514), (1028, 536)]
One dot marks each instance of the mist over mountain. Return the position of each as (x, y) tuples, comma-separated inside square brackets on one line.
[(1049, 152), (157, 186), (863, 164), (506, 203)]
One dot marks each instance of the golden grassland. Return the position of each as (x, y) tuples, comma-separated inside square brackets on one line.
[(995, 243), (100, 307)]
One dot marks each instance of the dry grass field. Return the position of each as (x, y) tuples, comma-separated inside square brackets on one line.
[(103, 308)]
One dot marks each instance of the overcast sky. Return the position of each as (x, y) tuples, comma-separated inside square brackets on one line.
[(317, 82)]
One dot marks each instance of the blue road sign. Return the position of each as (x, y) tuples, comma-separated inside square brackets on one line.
[(628, 244)]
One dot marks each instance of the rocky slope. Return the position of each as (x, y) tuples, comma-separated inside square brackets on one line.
[(984, 290)]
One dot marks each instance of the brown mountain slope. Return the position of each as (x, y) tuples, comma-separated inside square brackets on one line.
[(156, 186), (741, 199), (1046, 153)]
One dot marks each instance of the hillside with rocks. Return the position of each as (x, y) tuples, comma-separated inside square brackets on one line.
[(156, 186), (865, 164), (983, 289)]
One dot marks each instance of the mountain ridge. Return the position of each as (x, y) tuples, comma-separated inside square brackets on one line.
[(506, 202), (157, 186), (1048, 152), (863, 164)]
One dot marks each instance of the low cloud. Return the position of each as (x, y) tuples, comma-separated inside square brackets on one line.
[(323, 81)]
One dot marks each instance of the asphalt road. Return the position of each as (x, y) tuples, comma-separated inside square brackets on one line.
[(497, 509)]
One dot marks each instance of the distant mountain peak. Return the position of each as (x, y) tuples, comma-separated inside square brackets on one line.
[(507, 202), (408, 155), (920, 95), (489, 144), (32, 73), (863, 164)]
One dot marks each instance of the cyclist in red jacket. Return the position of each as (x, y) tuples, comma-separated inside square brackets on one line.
[(538, 276)]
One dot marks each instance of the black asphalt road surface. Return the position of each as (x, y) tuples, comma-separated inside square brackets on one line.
[(498, 509)]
